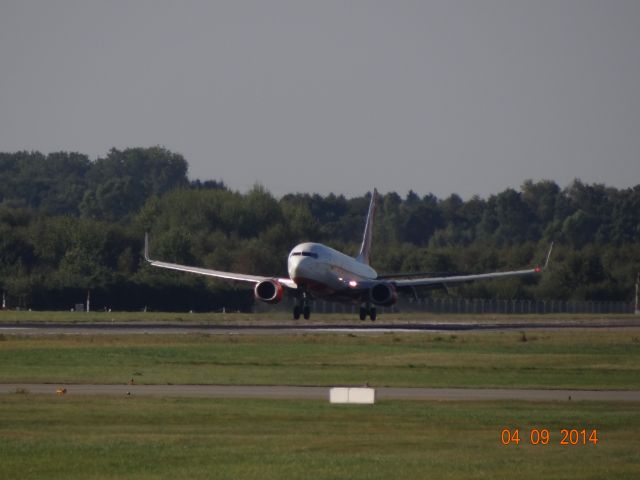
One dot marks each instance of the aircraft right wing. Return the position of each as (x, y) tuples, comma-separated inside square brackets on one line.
[(238, 277), (426, 281)]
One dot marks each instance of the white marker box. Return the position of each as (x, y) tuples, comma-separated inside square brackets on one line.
[(352, 395)]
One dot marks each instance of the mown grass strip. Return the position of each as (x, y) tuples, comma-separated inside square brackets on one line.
[(93, 437), (547, 359)]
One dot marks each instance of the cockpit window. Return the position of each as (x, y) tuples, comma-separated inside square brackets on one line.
[(305, 254)]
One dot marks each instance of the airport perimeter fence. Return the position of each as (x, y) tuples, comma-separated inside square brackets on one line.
[(476, 306)]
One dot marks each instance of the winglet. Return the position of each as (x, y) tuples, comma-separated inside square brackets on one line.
[(540, 269), (364, 255), (146, 246), (546, 262)]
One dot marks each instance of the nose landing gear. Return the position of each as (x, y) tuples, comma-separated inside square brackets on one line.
[(302, 307)]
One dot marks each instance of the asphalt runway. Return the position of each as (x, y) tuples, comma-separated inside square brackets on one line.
[(322, 393), (112, 328)]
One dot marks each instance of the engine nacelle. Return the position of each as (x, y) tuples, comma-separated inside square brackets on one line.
[(384, 294), (269, 291)]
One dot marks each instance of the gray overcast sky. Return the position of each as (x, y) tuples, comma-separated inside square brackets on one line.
[(447, 96)]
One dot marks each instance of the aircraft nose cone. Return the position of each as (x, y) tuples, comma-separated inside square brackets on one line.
[(300, 267)]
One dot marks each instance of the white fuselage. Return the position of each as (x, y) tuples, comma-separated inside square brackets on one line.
[(324, 271)]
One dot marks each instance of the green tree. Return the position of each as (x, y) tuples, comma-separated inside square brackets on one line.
[(119, 184)]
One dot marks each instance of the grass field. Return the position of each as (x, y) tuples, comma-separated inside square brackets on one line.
[(96, 438), (591, 359), (44, 436)]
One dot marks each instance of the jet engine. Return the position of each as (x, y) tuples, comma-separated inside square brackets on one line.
[(268, 291), (383, 293)]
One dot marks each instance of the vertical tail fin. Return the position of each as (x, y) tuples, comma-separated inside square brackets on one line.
[(365, 249)]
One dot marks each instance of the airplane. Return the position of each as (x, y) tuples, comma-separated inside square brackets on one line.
[(318, 271)]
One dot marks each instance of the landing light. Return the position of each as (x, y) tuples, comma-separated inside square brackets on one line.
[(353, 283)]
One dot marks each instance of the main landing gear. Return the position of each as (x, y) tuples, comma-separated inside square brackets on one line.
[(301, 309), (367, 310)]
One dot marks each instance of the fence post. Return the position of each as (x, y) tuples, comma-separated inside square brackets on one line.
[(636, 308)]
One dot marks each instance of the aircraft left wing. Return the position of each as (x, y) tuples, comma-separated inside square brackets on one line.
[(419, 282), (232, 276)]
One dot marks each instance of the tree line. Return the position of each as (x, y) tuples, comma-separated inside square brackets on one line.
[(69, 225)]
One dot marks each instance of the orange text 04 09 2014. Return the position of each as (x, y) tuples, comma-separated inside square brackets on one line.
[(545, 436)]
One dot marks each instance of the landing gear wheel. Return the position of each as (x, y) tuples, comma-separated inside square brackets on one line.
[(296, 312), (306, 312), (373, 314), (363, 313)]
